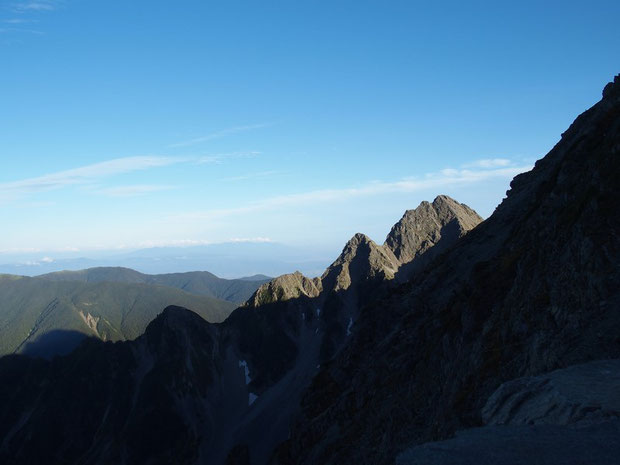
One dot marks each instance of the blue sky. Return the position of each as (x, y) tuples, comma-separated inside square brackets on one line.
[(133, 124)]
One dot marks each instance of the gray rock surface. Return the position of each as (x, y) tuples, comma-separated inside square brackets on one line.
[(587, 392), (361, 259), (286, 287), (431, 224), (597, 444), (568, 416)]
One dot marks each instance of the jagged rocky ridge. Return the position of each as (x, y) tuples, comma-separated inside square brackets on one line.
[(534, 288), (420, 235), (211, 392), (530, 290)]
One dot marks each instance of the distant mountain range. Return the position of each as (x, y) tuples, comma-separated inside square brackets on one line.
[(52, 313), (506, 329), (230, 260), (204, 283)]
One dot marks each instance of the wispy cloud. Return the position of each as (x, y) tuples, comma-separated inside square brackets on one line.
[(219, 158), (244, 177), (134, 190), (25, 13), (196, 242), (219, 134), (18, 21), (41, 5), (489, 163), (252, 240), (7, 30), (447, 178), (83, 175)]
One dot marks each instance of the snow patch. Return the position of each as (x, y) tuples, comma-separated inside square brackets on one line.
[(251, 398), (349, 327), (244, 364), (318, 312)]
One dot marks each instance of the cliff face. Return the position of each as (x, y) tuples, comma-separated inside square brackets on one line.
[(532, 289), (436, 226)]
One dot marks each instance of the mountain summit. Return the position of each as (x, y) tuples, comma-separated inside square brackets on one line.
[(420, 235), (434, 225)]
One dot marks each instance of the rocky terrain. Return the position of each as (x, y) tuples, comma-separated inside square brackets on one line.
[(420, 234), (532, 289), (569, 416), (232, 389), (440, 346)]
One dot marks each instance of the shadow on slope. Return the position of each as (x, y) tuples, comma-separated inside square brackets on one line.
[(53, 343)]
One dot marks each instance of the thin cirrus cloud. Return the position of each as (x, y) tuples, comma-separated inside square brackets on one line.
[(219, 135), (244, 177), (450, 177), (18, 21), (134, 190), (219, 158), (489, 163), (6, 30), (40, 5), (83, 175), (24, 13)]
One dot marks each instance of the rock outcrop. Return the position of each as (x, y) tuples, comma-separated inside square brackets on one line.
[(285, 287), (419, 236), (535, 287), (588, 393), (569, 416), (436, 226), (361, 260), (596, 444)]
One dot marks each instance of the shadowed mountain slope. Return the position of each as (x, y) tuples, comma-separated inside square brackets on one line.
[(111, 403), (533, 288), (30, 308), (568, 416)]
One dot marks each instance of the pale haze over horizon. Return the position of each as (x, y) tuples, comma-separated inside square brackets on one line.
[(127, 125)]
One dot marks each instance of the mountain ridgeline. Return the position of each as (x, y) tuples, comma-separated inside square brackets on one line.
[(449, 325), (204, 283), (50, 314), (242, 380)]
